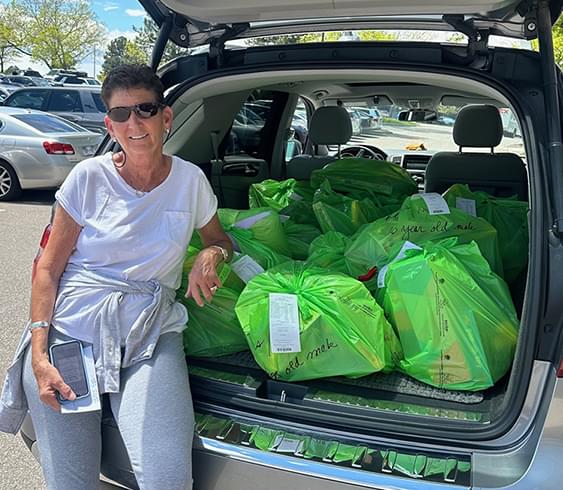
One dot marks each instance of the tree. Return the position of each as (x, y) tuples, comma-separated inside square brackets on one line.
[(557, 33), (319, 37), (146, 37), (121, 51), (59, 33)]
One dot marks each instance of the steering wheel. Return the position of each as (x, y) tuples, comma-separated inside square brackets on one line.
[(363, 151)]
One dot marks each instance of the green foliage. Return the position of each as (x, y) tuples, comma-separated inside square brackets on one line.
[(557, 33), (60, 33), (146, 37), (318, 37), (121, 51)]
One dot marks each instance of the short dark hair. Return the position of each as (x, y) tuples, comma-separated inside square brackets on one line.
[(125, 77)]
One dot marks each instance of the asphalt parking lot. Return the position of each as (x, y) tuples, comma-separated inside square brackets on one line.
[(22, 223)]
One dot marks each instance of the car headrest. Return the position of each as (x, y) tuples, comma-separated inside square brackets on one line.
[(330, 125), (478, 126)]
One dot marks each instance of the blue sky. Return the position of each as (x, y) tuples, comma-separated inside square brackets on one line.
[(118, 17)]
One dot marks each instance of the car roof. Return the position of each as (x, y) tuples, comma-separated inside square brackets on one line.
[(10, 111), (66, 87)]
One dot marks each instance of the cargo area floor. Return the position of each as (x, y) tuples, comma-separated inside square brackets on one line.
[(388, 391)]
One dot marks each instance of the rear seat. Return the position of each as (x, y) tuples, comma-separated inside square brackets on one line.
[(329, 125), (499, 174)]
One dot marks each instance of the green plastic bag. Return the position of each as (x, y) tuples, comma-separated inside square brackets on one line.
[(328, 252), (213, 329), (385, 179), (374, 244), (300, 237), (278, 195), (264, 223), (301, 212), (341, 329), (454, 316), (336, 212), (508, 216)]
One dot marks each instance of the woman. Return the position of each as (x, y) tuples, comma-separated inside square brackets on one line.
[(107, 278)]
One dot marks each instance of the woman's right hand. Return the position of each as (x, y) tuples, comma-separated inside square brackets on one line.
[(49, 382)]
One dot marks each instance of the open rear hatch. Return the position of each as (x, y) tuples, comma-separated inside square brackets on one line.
[(193, 23), (377, 402)]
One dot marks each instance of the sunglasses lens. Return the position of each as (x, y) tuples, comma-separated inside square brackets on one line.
[(119, 114), (147, 110), (144, 111)]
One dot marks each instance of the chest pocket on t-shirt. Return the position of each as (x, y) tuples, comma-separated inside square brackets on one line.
[(178, 227)]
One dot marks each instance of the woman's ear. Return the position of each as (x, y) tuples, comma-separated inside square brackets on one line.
[(168, 116), (109, 125)]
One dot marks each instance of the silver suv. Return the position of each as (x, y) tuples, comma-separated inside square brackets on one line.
[(384, 431), (83, 106)]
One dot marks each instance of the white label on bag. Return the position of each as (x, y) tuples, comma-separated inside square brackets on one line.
[(467, 205), (246, 268), (252, 220), (435, 203), (284, 323), (90, 403), (402, 253)]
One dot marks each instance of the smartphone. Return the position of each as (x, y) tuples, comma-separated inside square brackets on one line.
[(68, 358)]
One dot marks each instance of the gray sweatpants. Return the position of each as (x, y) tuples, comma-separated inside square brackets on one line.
[(154, 414)]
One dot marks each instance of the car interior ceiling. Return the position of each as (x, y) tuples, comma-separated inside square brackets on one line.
[(204, 116), (219, 103)]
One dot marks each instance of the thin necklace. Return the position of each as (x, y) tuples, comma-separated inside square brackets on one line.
[(139, 192)]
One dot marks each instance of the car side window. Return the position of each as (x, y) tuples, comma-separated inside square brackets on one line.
[(28, 99), (65, 101), (246, 132), (98, 101), (298, 130)]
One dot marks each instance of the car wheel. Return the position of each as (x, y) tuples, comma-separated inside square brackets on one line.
[(9, 184)]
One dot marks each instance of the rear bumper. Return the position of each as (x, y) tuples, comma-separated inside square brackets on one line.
[(226, 458)]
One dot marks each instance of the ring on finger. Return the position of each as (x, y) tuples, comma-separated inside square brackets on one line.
[(213, 289)]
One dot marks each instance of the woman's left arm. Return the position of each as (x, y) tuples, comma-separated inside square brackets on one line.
[(203, 279)]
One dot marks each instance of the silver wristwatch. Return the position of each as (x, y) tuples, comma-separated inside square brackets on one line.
[(38, 324), (224, 251)]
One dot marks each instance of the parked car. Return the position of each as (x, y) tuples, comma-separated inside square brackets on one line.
[(386, 431), (356, 121), (377, 117), (26, 81), (60, 71), (370, 118), (74, 80), (446, 120), (83, 106), (510, 124), (6, 89), (38, 150)]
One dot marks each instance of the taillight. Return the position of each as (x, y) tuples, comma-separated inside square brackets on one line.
[(56, 148), (42, 245), (560, 370)]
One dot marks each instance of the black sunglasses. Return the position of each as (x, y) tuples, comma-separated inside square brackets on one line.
[(144, 111)]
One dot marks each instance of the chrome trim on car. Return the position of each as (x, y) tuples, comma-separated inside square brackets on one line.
[(350, 476), (330, 456)]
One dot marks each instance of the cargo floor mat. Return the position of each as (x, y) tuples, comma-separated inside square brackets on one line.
[(388, 382)]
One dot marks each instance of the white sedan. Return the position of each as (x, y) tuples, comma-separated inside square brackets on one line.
[(38, 150)]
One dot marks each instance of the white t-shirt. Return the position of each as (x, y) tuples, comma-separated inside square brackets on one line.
[(130, 235)]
